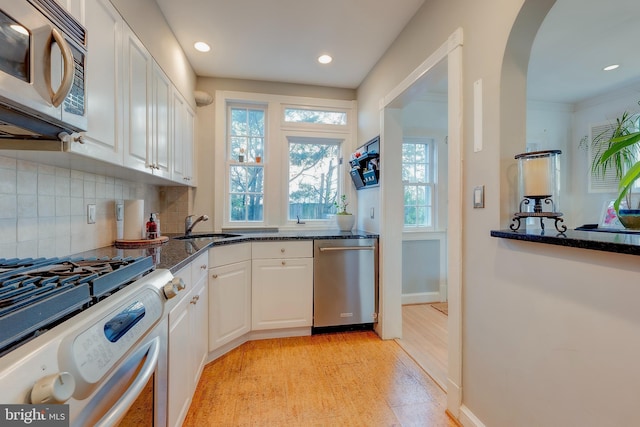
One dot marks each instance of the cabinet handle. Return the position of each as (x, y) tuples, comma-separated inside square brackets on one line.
[(284, 263), (203, 267), (195, 299), (215, 276), (282, 250)]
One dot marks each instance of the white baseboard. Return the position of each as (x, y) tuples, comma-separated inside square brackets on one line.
[(421, 298), (468, 419)]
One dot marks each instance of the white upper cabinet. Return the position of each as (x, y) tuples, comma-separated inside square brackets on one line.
[(137, 67), (159, 146), (182, 131), (104, 137)]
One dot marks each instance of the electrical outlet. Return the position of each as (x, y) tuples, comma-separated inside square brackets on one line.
[(91, 214)]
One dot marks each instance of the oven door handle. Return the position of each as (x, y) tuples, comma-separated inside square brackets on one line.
[(124, 403)]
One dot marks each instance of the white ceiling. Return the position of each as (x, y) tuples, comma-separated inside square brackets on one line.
[(577, 39), (279, 40)]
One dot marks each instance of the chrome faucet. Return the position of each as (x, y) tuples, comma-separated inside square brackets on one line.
[(189, 223)]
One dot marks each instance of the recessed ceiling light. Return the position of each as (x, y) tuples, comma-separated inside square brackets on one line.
[(324, 59), (20, 29), (202, 46), (611, 67)]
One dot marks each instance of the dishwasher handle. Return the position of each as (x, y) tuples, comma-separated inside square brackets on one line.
[(347, 248)]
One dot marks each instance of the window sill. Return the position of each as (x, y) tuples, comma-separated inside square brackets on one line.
[(623, 243)]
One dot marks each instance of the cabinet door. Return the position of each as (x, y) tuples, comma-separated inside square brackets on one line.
[(282, 293), (199, 317), (137, 102), (160, 123), (179, 363), (229, 303), (103, 140), (189, 144), (179, 117), (183, 122)]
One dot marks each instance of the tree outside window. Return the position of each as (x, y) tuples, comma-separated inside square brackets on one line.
[(313, 178)]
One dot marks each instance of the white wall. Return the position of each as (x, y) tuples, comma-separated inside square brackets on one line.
[(551, 335)]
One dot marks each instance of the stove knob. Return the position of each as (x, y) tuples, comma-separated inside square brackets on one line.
[(56, 388), (172, 288)]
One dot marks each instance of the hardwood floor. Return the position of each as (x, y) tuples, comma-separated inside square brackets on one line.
[(341, 379), (424, 337)]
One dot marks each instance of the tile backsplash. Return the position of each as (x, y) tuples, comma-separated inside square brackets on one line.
[(43, 209)]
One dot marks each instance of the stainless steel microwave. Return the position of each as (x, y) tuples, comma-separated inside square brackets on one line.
[(43, 53)]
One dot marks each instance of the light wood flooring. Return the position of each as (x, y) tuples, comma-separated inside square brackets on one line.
[(340, 379), (425, 337)]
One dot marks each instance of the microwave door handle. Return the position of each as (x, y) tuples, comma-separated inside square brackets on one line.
[(69, 68)]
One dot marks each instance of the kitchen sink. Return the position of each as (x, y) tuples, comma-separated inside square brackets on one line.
[(210, 236)]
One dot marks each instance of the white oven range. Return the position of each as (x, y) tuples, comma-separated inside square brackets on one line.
[(107, 362)]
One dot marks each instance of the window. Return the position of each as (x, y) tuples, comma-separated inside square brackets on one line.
[(280, 158), (246, 141), (313, 177), (315, 116), (418, 172)]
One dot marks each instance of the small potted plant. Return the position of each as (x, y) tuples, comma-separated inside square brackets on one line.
[(622, 154), (344, 219), (241, 155)]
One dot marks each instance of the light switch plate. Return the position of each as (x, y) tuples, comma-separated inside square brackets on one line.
[(478, 197), (119, 211), (91, 214)]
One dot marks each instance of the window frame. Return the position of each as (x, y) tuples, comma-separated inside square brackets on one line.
[(231, 163), (432, 183), (275, 156)]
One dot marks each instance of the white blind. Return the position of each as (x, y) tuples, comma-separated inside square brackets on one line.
[(607, 183)]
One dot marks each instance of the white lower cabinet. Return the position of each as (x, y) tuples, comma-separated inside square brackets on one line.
[(282, 291), (229, 293), (187, 349)]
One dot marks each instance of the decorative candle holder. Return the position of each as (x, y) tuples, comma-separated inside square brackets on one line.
[(539, 181)]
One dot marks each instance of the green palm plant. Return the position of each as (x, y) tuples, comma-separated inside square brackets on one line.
[(621, 155)]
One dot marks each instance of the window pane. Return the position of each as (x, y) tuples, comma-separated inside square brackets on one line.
[(421, 175), (256, 122), (238, 121), (255, 149), (238, 179), (410, 215), (236, 144), (408, 153), (420, 196), (313, 179), (408, 173), (255, 208), (300, 115), (238, 211)]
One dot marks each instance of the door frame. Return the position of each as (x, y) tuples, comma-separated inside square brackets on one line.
[(390, 322)]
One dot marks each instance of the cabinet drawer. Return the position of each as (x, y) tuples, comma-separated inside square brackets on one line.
[(229, 254), (282, 249), (199, 268)]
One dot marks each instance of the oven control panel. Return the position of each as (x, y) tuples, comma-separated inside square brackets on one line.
[(99, 348)]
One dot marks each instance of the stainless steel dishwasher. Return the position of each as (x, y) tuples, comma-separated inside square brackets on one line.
[(345, 282)]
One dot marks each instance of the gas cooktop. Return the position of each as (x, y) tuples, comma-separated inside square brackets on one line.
[(37, 294)]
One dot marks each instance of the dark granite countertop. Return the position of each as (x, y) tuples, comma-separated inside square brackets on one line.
[(176, 254), (619, 242)]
